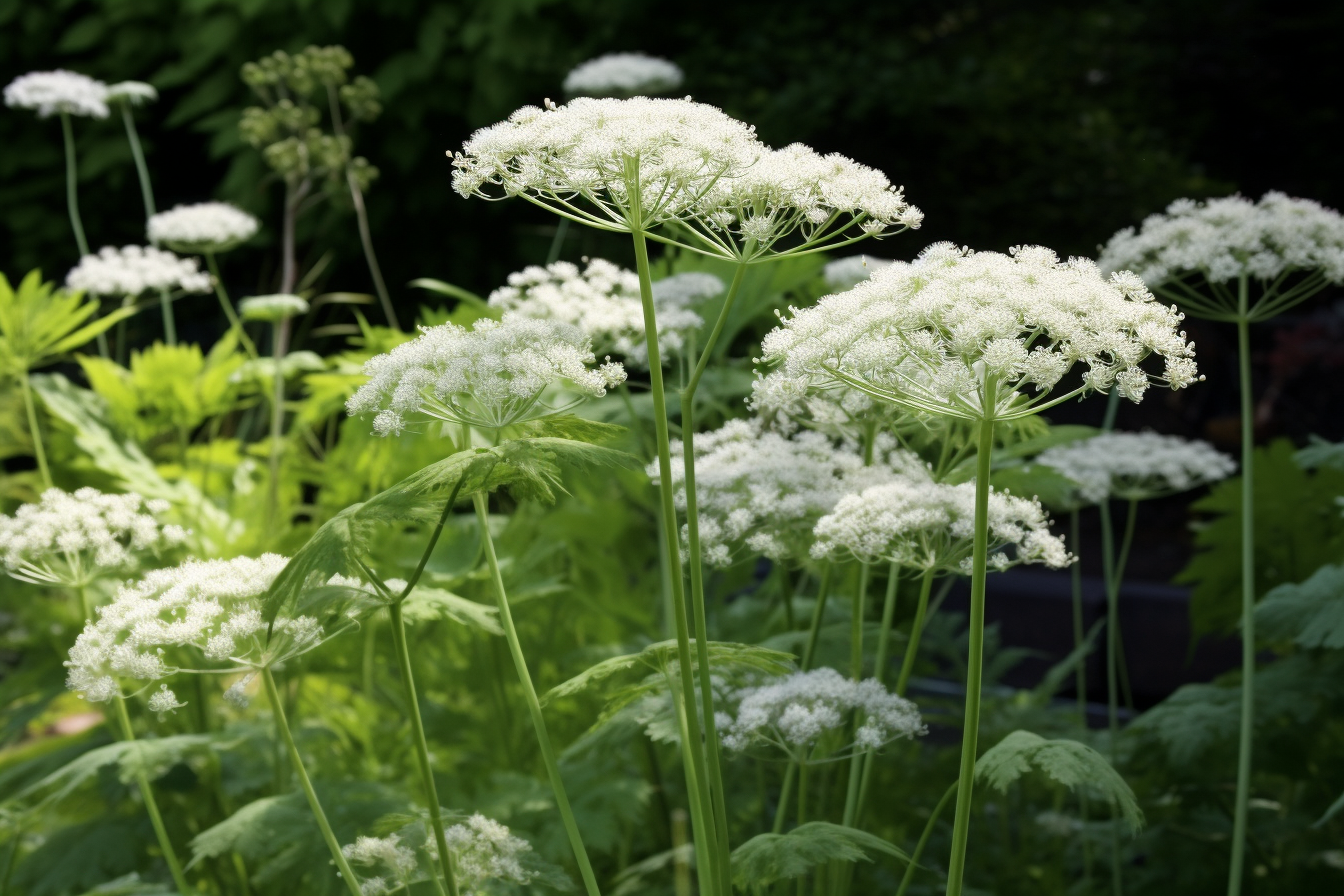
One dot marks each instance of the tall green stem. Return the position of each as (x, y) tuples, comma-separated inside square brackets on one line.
[(924, 839), (1239, 811), (533, 704), (151, 806), (857, 613), (224, 303), (40, 452), (818, 611), (1076, 581), (961, 825), (422, 749), (72, 185), (278, 329), (138, 154), (282, 725), (916, 629), (880, 669)]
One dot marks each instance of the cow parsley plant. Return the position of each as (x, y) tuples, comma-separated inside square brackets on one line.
[(624, 74), (134, 270), (1136, 466)]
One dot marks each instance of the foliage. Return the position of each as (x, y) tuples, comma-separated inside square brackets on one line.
[(767, 858)]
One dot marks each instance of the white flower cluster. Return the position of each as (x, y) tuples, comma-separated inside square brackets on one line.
[(133, 93), (63, 92), (603, 301), (492, 375), (134, 270), (591, 148), (1137, 465), (1226, 238), (796, 711), (211, 606), (923, 524), (929, 334), (766, 491), (841, 411), (483, 851), (71, 539), (397, 860), (844, 273), (202, 227), (623, 74), (273, 308)]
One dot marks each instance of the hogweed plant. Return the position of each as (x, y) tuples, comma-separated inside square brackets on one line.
[(130, 272), (1241, 262)]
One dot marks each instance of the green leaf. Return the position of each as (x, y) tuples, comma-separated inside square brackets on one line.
[(1309, 613), (426, 603), (662, 656), (1330, 813), (1066, 762), (448, 289), (131, 885), (767, 858), (1320, 453)]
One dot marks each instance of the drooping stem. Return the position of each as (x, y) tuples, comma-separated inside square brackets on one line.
[(961, 825), (533, 704), (234, 322), (1239, 811), (1076, 581), (422, 750), (151, 806), (916, 629), (282, 725), (40, 452), (924, 839), (72, 186)]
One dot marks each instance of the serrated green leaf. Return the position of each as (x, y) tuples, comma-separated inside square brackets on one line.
[(1309, 613), (767, 858), (1066, 762), (425, 603)]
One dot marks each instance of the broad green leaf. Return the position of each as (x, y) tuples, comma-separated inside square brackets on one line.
[(1066, 762), (767, 858), (425, 603), (1309, 613)]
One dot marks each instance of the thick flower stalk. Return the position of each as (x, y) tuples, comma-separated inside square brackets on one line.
[(623, 75), (1242, 262), (493, 375)]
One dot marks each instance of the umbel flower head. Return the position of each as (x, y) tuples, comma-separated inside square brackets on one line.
[(622, 75), (134, 270), (273, 308), (940, 334), (72, 539), (132, 93), (206, 227), (492, 375), (1137, 465), (787, 403), (844, 273), (795, 712), (603, 302), (59, 92), (204, 615), (766, 491), (921, 524)]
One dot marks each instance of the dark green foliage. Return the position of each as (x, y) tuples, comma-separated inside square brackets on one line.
[(767, 858)]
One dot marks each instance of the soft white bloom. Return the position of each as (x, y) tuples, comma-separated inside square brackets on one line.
[(689, 288), (484, 850), (387, 851), (787, 402), (163, 700), (134, 93), (491, 375), (1224, 239), (202, 227), (844, 273), (134, 270), (766, 491), (923, 524), (796, 711), (931, 335), (1137, 465), (603, 302), (273, 308), (71, 539), (68, 93), (207, 613), (623, 74)]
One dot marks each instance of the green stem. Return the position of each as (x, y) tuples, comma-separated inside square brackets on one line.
[(880, 668), (916, 630), (790, 775), (1239, 812), (1112, 674), (818, 610), (220, 293), (1122, 558), (71, 186), (151, 806), (277, 422), (138, 154), (857, 613), (169, 323), (704, 862), (923, 840), (961, 825), (1076, 580), (888, 614), (422, 749), (282, 725), (533, 704), (26, 388), (561, 231)]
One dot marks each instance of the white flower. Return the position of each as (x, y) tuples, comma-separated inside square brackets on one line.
[(207, 613), (794, 712), (134, 270), (203, 227), (484, 850), (765, 491), (923, 524), (931, 335), (839, 410), (163, 701), (623, 74), (603, 302), (134, 93), (72, 539), (386, 851), (844, 273), (689, 288), (60, 91), (492, 375), (1224, 239), (273, 308), (1137, 465)]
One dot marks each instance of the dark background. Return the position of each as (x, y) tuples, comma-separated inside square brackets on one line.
[(1010, 121)]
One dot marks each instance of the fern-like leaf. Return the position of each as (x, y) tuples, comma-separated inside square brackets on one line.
[(767, 858), (1309, 613)]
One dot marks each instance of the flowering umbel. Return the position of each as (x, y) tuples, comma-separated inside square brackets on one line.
[(1137, 465), (203, 227)]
